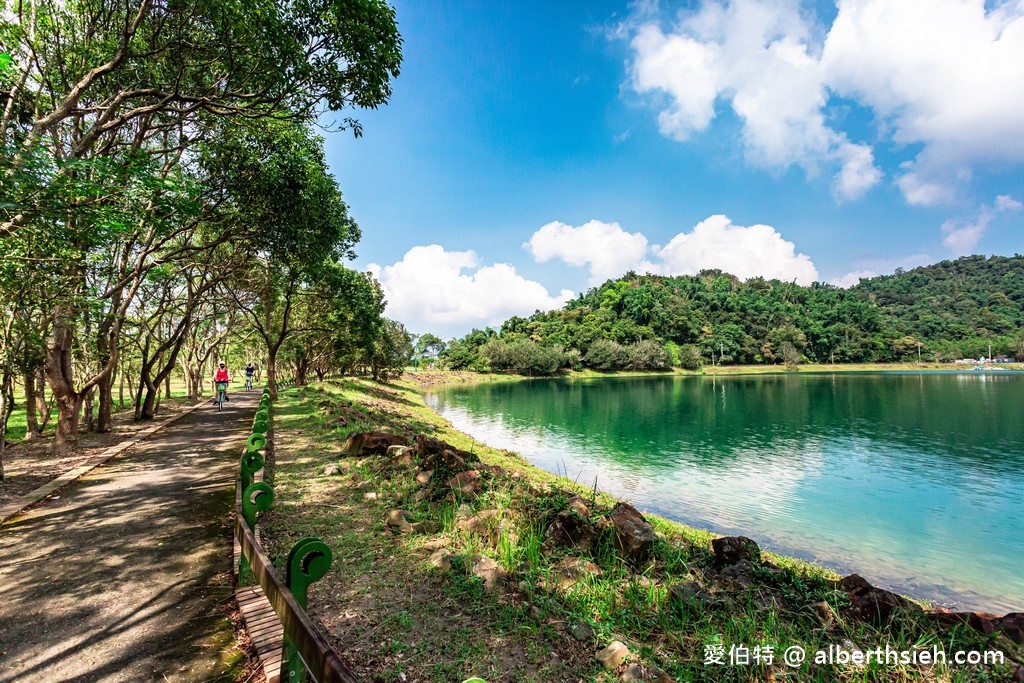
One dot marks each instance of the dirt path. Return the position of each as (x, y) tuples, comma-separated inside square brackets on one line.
[(125, 575)]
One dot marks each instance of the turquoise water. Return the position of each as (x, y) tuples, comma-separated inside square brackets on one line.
[(914, 480)]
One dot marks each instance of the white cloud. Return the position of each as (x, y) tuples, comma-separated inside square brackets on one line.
[(1005, 202), (947, 74), (758, 56), (609, 251), (943, 76), (429, 291), (758, 250), (961, 235), (852, 278)]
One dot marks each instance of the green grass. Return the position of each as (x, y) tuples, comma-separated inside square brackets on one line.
[(511, 633)]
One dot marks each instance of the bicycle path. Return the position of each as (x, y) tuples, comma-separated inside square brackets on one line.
[(124, 576)]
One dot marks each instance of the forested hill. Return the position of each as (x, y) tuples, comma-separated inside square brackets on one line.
[(948, 310)]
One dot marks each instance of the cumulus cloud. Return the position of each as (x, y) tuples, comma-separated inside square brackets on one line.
[(758, 250), (445, 292), (759, 57), (942, 77), (609, 251)]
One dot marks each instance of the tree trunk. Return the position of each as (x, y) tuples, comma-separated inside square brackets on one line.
[(272, 374), (60, 375), (167, 386), (32, 429), (69, 408), (90, 411), (6, 408), (43, 408), (148, 408), (105, 412)]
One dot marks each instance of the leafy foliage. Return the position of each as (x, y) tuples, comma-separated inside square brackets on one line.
[(948, 310)]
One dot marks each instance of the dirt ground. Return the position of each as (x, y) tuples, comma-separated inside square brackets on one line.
[(125, 574), (30, 464)]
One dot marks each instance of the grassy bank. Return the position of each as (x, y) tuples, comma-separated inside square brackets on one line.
[(419, 599)]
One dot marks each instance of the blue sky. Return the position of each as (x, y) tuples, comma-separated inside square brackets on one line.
[(534, 149)]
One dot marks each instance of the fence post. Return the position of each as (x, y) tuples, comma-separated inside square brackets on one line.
[(308, 561), (256, 498)]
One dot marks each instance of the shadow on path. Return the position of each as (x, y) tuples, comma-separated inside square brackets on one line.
[(122, 577)]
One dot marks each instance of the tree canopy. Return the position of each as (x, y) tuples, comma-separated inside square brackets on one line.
[(964, 308)]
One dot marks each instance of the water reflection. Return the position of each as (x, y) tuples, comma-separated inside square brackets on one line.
[(913, 479)]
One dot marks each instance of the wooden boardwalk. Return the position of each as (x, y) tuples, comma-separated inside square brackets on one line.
[(261, 623), (264, 628)]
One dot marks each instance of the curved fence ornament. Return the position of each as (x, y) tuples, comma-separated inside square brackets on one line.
[(308, 561), (251, 463), (308, 655), (256, 442), (256, 498)]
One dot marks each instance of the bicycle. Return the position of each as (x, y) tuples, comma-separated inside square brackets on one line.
[(248, 382), (222, 390)]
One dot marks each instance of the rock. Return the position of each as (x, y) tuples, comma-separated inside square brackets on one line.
[(377, 443), (633, 534), (480, 524), (370, 495), (690, 594), (399, 456), (571, 570), (429, 446), (739, 574), (579, 506), (633, 672), (448, 460), (332, 470), (871, 604), (424, 476), (1013, 626), (826, 615), (661, 676), (569, 530), (442, 559), (730, 550), (488, 526), (428, 526), (422, 495), (582, 631), (489, 570), (613, 655), (768, 601), (398, 520), (467, 483)]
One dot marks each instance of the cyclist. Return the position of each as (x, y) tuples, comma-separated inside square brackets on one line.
[(250, 370), (222, 376)]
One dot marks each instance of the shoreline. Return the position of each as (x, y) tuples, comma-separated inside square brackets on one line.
[(932, 595), (542, 594)]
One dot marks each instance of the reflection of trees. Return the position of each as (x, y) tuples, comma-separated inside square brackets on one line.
[(711, 422)]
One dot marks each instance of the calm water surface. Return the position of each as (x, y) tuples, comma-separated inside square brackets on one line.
[(914, 480)]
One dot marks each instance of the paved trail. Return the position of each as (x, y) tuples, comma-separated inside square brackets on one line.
[(123, 578)]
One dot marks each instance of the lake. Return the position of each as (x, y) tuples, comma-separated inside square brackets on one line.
[(914, 480)]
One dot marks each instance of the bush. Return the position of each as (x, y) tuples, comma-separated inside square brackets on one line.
[(648, 354), (604, 354)]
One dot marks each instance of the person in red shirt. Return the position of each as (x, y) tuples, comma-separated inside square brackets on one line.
[(222, 375)]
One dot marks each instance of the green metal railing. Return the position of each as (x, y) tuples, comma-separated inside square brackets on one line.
[(306, 655)]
